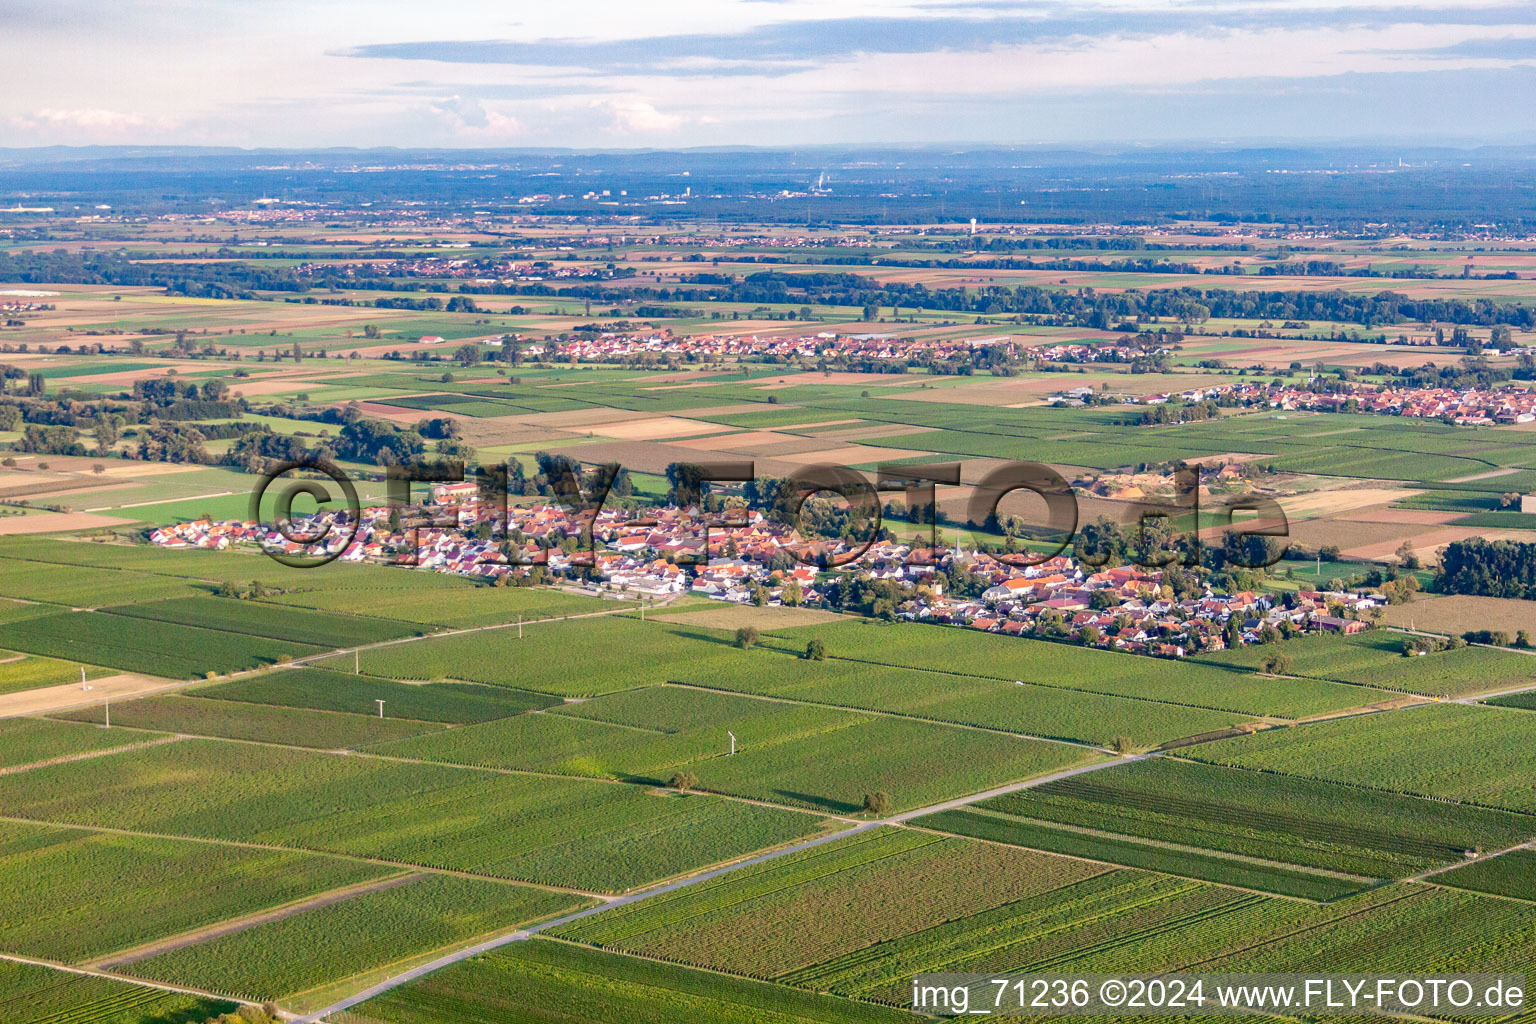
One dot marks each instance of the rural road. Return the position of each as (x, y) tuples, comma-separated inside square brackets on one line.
[(683, 883)]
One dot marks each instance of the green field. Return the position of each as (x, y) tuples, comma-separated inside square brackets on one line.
[(176, 651), (456, 603), (1449, 751), (785, 753), (32, 740), (85, 587), (1511, 874), (771, 920), (90, 894), (1375, 658), (512, 983), (1268, 816), (255, 618), (324, 690), (1002, 828), (300, 727), (30, 994), (583, 834), (19, 672), (357, 935)]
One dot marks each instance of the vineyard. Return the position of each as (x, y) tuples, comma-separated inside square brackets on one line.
[(327, 730), (974, 653), (1375, 658), (1472, 754), (1509, 874), (257, 618), (363, 933), (1269, 816), (91, 894), (1001, 828), (576, 833), (773, 919), (30, 740), (453, 602), (31, 994), (323, 690), (177, 651), (591, 985)]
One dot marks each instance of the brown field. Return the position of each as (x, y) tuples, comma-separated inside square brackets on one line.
[(659, 428), (54, 522), (1459, 613), (1405, 516), (1427, 545), (1355, 540), (765, 618), (46, 699), (1333, 502)]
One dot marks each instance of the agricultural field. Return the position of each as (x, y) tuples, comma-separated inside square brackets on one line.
[(120, 641), (1375, 658), (365, 933), (575, 833), (25, 741), (26, 672), (772, 920), (324, 690), (94, 894), (970, 652), (1510, 874), (1274, 817), (299, 727), (34, 994), (1473, 755), (1172, 859), (604, 988), (454, 604), (255, 618)]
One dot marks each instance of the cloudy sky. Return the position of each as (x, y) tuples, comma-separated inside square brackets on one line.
[(625, 73)]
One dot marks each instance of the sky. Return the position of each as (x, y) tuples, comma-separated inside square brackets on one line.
[(677, 73)]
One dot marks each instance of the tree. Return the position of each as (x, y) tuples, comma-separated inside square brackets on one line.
[(684, 781), (815, 650), (877, 803), (1523, 639), (747, 637), (1122, 744), (1276, 664), (1405, 556)]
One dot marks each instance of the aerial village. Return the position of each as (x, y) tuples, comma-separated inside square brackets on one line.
[(751, 560)]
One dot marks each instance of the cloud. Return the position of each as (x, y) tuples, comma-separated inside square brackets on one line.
[(470, 118), (92, 122), (636, 116)]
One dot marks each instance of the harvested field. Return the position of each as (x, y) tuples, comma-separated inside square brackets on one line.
[(765, 618), (1427, 545), (55, 522), (1333, 502), (1459, 613), (60, 698), (657, 428)]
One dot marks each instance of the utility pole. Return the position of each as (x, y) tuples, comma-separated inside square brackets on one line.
[(106, 709), (733, 741), (357, 663), (381, 708), (519, 625), (82, 678)]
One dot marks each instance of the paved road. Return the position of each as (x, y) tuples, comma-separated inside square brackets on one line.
[(683, 883)]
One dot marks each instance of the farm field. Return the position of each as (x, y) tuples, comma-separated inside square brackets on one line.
[(300, 727), (1375, 658), (1461, 613), (32, 994), (26, 672), (1003, 828), (1511, 874), (974, 653), (1470, 754), (1273, 817), (772, 920), (603, 988), (324, 690), (170, 650), (254, 618), (95, 894), (574, 833), (456, 605), (354, 936), (26, 741)]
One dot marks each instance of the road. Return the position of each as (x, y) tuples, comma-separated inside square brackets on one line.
[(526, 933)]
